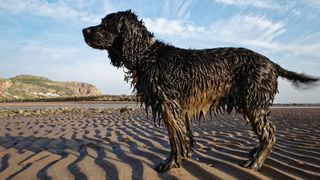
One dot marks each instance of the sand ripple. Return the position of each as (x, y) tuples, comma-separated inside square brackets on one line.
[(115, 145)]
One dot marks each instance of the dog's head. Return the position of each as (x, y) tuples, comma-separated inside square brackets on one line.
[(103, 36), (108, 35), (122, 35)]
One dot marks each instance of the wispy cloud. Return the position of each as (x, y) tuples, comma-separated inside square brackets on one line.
[(313, 2), (177, 9), (55, 9), (308, 63), (308, 46), (167, 27), (252, 30), (243, 30), (255, 3)]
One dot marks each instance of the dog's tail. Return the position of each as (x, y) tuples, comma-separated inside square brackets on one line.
[(298, 80)]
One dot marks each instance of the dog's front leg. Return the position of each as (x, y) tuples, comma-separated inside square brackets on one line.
[(177, 132)]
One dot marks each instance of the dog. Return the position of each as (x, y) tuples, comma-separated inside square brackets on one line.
[(180, 85)]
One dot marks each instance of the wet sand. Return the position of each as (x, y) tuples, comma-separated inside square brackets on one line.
[(70, 104), (115, 145)]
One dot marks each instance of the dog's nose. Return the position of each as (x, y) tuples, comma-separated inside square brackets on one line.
[(86, 31)]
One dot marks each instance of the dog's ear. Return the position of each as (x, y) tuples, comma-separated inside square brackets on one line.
[(122, 18), (127, 15)]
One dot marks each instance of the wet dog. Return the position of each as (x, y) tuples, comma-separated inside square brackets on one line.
[(184, 84)]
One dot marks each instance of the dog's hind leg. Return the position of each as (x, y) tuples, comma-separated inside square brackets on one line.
[(178, 133), (266, 134), (191, 141)]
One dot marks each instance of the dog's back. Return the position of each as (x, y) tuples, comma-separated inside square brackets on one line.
[(202, 79)]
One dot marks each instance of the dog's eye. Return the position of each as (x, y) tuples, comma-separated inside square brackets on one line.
[(104, 24), (104, 21)]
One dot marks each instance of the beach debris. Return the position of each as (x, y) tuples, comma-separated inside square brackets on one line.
[(58, 111), (126, 110)]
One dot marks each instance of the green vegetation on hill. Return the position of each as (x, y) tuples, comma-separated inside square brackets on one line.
[(27, 87)]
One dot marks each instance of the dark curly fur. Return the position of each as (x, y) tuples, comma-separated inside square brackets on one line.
[(183, 84)]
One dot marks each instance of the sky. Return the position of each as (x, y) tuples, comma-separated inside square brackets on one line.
[(43, 37)]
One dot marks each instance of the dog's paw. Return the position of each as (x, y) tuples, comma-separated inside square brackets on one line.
[(251, 164), (166, 165), (253, 152)]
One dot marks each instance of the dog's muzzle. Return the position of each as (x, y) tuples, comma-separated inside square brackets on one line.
[(97, 39), (86, 34), (86, 31)]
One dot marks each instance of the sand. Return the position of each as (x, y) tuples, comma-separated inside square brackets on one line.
[(115, 145)]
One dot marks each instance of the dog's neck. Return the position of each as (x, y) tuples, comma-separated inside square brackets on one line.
[(128, 56), (131, 44), (136, 40)]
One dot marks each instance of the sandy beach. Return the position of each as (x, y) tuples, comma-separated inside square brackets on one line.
[(118, 144)]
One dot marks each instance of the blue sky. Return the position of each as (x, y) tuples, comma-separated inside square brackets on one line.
[(43, 37)]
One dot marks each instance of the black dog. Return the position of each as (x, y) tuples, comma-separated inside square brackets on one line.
[(182, 84)]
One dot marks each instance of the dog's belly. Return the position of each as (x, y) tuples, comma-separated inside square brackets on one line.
[(201, 102)]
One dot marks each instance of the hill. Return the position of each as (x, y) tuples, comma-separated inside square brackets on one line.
[(31, 87)]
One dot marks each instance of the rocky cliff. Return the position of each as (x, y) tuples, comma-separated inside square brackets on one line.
[(31, 87)]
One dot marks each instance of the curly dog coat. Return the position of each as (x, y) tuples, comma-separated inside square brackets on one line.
[(184, 84)]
